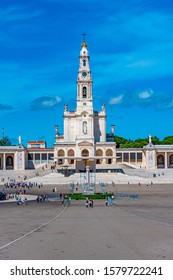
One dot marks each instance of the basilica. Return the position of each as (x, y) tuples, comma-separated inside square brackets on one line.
[(85, 141), (85, 129)]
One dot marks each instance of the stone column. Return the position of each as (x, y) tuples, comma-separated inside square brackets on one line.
[(155, 159), (114, 160), (66, 154), (122, 157), (4, 163), (166, 160), (104, 154)]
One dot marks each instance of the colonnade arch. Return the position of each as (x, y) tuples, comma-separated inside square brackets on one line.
[(109, 152), (162, 161), (85, 153), (9, 162), (171, 161), (71, 153), (99, 153), (61, 153)]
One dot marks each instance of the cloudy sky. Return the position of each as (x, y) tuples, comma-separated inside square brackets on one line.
[(131, 50)]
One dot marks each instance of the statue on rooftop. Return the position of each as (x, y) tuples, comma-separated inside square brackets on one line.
[(65, 108), (103, 107), (20, 140)]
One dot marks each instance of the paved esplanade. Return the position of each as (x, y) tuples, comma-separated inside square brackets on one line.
[(76, 232)]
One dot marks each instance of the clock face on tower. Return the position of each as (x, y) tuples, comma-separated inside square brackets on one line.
[(84, 74)]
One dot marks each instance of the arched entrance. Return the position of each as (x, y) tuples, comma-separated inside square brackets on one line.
[(70, 154), (9, 162), (109, 153), (99, 153), (61, 154), (171, 161), (160, 161), (85, 153)]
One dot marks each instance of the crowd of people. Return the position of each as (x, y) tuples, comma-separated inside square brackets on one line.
[(19, 188), (22, 185)]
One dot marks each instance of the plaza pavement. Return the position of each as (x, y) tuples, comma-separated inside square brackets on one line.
[(139, 228), (131, 229), (80, 233)]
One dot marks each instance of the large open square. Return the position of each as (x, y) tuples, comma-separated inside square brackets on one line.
[(139, 228)]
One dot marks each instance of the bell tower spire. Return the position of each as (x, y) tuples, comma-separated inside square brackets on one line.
[(84, 80)]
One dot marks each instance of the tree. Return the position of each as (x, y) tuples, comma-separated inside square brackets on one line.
[(168, 140), (121, 141), (139, 142), (156, 140), (5, 141)]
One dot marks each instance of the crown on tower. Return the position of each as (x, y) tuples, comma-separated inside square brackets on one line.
[(84, 44)]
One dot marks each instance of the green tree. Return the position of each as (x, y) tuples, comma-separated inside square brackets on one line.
[(156, 140), (121, 141), (5, 141), (168, 140), (138, 143)]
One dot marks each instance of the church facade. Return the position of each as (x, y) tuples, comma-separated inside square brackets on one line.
[(85, 141), (84, 129)]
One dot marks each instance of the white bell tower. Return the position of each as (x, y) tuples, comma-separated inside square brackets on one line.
[(84, 81), (84, 110)]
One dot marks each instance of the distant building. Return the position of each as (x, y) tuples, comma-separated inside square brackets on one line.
[(36, 144)]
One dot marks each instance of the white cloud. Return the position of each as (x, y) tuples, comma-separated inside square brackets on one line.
[(45, 102), (145, 94), (58, 99), (17, 13), (169, 105), (141, 63), (116, 100), (52, 102)]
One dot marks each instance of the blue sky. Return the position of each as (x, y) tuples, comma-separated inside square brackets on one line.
[(131, 49)]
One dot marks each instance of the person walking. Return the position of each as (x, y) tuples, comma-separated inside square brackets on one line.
[(91, 203), (86, 202)]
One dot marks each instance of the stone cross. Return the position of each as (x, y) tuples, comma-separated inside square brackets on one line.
[(56, 129), (65, 108)]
